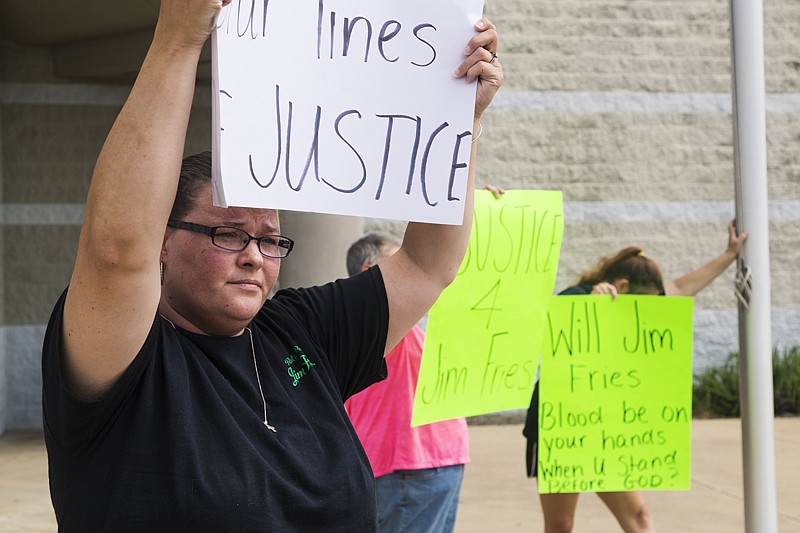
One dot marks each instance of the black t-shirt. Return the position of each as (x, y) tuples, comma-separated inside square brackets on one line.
[(179, 442), (580, 288)]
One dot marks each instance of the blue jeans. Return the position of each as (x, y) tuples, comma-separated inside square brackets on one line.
[(419, 501)]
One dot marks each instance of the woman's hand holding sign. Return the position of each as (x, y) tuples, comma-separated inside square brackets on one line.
[(482, 63), (188, 24), (431, 254)]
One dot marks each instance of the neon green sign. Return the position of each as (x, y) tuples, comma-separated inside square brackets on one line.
[(615, 394), (481, 348)]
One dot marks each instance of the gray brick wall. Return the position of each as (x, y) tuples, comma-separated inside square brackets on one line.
[(646, 45), (4, 398), (619, 104), (3, 349), (24, 376), (621, 101), (54, 130)]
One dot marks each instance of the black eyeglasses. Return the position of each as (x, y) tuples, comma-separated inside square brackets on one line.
[(236, 240)]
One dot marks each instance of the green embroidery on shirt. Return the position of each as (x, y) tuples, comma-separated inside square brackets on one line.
[(302, 361)]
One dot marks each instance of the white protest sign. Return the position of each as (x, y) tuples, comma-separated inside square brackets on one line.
[(343, 106)]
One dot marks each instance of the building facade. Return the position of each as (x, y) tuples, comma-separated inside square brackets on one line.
[(624, 106)]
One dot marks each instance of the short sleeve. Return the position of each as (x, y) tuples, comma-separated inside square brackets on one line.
[(350, 320), (73, 423)]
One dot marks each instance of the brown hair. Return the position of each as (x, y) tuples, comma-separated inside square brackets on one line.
[(629, 263), (195, 175)]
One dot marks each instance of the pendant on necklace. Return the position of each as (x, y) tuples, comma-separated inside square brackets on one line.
[(258, 380)]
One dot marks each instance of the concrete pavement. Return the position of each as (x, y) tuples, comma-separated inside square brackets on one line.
[(24, 495), (496, 495)]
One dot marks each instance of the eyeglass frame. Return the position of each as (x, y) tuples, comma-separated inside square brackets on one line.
[(212, 230)]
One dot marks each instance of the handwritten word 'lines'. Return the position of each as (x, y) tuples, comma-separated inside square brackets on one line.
[(339, 35)]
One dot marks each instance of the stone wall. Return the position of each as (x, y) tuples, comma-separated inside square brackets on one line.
[(51, 132), (624, 106)]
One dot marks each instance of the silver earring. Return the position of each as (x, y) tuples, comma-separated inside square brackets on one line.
[(161, 270)]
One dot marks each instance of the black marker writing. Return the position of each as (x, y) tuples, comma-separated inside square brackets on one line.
[(418, 29), (439, 140), (352, 31), (247, 14), (360, 159), (387, 146)]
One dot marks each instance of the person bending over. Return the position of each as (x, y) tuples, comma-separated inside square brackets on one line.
[(627, 271)]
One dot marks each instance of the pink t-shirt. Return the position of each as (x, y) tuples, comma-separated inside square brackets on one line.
[(381, 415)]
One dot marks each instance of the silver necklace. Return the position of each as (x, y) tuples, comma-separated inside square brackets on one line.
[(255, 365), (258, 379)]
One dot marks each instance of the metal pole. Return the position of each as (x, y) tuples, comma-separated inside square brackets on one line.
[(753, 278)]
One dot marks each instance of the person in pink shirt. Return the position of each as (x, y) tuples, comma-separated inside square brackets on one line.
[(418, 470)]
